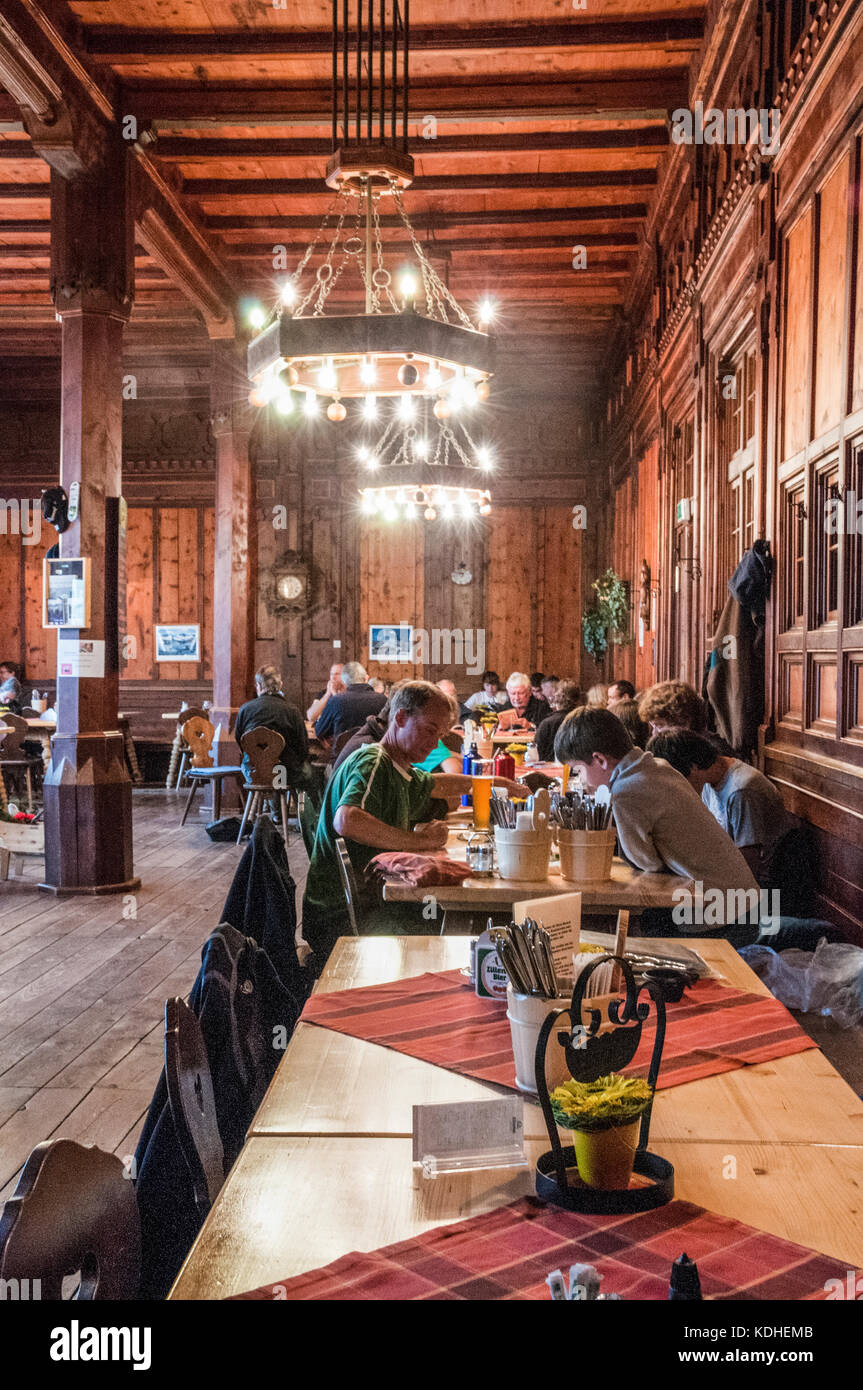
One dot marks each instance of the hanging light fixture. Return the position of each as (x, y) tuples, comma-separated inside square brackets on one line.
[(425, 467), (413, 337)]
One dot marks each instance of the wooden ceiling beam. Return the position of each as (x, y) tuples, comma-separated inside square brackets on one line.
[(435, 183), (183, 149), (437, 250), (610, 96), (109, 47), (426, 222)]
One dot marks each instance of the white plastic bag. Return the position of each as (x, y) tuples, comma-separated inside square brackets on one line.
[(828, 980)]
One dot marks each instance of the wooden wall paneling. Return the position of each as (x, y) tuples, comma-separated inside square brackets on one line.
[(40, 644), (829, 367), (139, 595), (208, 560), (391, 586), (12, 610), (168, 581), (856, 344), (455, 609), (647, 549), (190, 566), (512, 576), (797, 335), (560, 594)]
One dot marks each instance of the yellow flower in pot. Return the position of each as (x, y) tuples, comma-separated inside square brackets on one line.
[(516, 752), (604, 1116)]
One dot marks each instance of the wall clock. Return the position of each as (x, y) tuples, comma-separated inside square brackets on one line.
[(287, 585)]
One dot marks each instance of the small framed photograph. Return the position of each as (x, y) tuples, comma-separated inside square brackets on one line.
[(178, 642), (66, 593), (390, 642)]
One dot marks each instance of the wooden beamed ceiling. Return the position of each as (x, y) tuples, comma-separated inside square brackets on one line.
[(550, 124)]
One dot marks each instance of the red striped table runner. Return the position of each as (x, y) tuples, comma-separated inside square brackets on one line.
[(436, 1017), (508, 1253)]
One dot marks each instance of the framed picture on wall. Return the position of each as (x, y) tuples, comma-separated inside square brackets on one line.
[(178, 642), (66, 593), (390, 642)]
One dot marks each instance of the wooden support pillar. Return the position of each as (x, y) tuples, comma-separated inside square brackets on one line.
[(233, 579), (88, 794)]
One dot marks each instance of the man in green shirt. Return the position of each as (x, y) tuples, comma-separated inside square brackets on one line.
[(377, 800)]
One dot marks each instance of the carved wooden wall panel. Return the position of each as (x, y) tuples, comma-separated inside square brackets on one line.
[(797, 338), (830, 377)]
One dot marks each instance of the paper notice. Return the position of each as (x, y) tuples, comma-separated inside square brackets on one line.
[(561, 918)]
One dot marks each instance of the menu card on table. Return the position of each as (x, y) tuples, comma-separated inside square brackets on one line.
[(561, 918)]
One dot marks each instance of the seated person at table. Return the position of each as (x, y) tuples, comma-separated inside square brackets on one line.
[(568, 697), (10, 687), (597, 697), (378, 800), (270, 710), (664, 826), (529, 710), (335, 686), (491, 693), (748, 807), (620, 690), (548, 690), (350, 709), (627, 712), (371, 732)]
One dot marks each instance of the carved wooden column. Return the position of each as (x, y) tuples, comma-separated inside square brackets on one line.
[(233, 579), (88, 794)]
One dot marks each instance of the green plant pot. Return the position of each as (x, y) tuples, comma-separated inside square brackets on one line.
[(605, 1156)]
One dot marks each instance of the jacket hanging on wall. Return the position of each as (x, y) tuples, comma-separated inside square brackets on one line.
[(734, 679)]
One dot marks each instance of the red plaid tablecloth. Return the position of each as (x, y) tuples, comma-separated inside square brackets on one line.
[(508, 1253), (438, 1018)]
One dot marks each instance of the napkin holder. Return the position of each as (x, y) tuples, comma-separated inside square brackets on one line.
[(589, 1054)]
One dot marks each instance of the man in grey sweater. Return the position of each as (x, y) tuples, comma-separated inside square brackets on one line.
[(663, 825)]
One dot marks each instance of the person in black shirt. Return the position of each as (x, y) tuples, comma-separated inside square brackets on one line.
[(350, 710), (270, 710), (568, 697), (529, 709)]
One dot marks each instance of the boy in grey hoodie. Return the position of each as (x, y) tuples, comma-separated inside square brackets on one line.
[(663, 825)]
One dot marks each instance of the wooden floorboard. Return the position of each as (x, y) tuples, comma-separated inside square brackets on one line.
[(83, 983)]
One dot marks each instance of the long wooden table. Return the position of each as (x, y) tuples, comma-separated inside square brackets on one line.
[(326, 1167), (627, 887)]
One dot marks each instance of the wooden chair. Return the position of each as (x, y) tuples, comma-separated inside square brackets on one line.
[(349, 883), (200, 736), (14, 757), (341, 739), (193, 1105), (179, 748), (74, 1212), (262, 747)]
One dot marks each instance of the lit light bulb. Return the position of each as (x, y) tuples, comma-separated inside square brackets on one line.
[(408, 286), (311, 403), (257, 317), (373, 463), (370, 407), (327, 379), (465, 507), (483, 457), (400, 498), (362, 453), (368, 504), (433, 377), (410, 511), (289, 294), (269, 388), (482, 389), (487, 310), (429, 513), (485, 509), (389, 512), (421, 448), (285, 403), (448, 510), (407, 409), (368, 372)]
